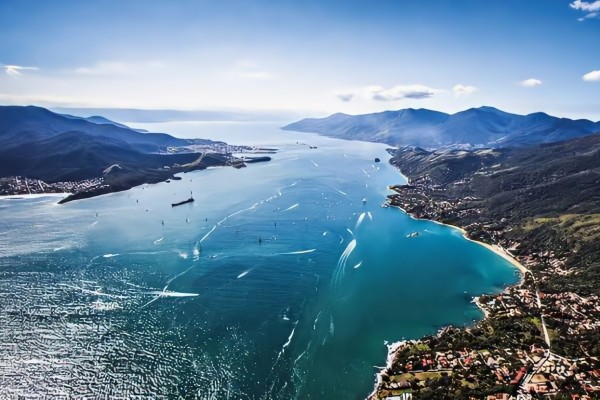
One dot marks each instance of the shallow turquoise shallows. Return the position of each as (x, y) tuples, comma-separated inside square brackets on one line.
[(283, 280)]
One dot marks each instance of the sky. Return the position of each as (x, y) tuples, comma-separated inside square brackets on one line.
[(309, 57)]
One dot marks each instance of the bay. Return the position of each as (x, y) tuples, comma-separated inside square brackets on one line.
[(283, 280)]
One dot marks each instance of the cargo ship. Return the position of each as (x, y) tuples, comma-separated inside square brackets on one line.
[(190, 200)]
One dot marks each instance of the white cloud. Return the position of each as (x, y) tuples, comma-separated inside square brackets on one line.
[(400, 92), (463, 90), (592, 8), (592, 76), (531, 82), (588, 16), (14, 70), (395, 93)]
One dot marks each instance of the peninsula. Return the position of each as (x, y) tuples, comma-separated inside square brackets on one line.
[(46, 152)]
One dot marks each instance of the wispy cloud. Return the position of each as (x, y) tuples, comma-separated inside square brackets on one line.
[(402, 92), (112, 68), (15, 70), (592, 8), (593, 76), (395, 93), (531, 82), (345, 97), (463, 90), (250, 70), (45, 100)]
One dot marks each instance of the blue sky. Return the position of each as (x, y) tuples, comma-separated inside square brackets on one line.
[(311, 57)]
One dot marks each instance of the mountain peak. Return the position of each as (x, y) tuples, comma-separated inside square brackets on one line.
[(480, 126)]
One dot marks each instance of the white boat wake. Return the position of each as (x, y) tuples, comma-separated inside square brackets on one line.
[(292, 207), (360, 220), (295, 252), (243, 274)]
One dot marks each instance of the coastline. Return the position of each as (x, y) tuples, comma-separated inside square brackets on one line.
[(155, 178), (498, 250), (32, 196)]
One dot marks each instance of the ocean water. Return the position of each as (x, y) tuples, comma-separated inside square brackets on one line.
[(278, 282)]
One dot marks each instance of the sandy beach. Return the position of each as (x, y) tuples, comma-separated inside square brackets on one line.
[(502, 253)]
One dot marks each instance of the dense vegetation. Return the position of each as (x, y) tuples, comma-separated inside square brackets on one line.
[(545, 197)]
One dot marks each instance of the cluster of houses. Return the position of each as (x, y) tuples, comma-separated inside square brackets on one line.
[(18, 185), (580, 314), (533, 371)]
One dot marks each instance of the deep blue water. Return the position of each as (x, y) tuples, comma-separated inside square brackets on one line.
[(278, 282)]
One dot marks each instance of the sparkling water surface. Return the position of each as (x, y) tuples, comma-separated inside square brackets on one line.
[(283, 280)]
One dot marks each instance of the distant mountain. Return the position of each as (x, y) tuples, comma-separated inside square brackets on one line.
[(483, 127), (96, 119), (150, 116), (22, 125), (38, 143)]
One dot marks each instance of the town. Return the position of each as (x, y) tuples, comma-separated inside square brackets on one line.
[(18, 185), (537, 340), (508, 355)]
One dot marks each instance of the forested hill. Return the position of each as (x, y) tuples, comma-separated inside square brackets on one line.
[(475, 127)]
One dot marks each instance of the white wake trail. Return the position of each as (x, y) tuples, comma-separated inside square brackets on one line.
[(174, 294), (208, 234), (243, 274), (341, 265), (360, 220), (292, 207), (295, 252)]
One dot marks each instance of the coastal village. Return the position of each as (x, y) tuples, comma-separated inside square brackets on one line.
[(531, 345), (516, 362), (18, 185)]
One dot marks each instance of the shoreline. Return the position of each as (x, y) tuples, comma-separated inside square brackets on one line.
[(32, 196), (497, 249)]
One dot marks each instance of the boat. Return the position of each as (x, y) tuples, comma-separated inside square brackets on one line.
[(364, 200), (190, 200)]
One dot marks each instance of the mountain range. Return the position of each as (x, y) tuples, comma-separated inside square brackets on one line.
[(475, 127), (41, 144)]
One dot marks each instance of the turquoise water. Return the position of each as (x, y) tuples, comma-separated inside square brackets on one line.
[(278, 282)]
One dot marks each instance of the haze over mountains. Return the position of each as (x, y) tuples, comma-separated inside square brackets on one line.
[(166, 115), (38, 143), (478, 127)]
